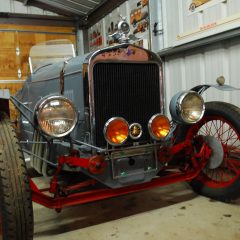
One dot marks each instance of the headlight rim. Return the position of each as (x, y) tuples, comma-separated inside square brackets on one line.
[(105, 131), (179, 106), (47, 99), (175, 107)]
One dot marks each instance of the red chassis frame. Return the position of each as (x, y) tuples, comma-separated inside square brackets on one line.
[(41, 197)]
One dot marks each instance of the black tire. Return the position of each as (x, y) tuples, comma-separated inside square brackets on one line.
[(16, 212), (222, 121)]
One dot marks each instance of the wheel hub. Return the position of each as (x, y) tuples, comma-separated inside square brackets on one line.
[(217, 155)]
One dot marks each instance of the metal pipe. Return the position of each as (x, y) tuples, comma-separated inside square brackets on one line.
[(43, 159), (89, 145)]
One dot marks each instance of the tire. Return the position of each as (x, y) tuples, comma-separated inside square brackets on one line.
[(221, 121), (16, 212)]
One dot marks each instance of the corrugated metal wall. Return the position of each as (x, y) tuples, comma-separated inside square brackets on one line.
[(204, 66), (13, 6)]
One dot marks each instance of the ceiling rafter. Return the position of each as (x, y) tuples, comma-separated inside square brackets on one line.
[(79, 4), (63, 6), (86, 12)]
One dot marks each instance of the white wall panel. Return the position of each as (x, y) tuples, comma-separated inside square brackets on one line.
[(5, 6), (182, 25), (156, 18), (204, 65), (13, 6)]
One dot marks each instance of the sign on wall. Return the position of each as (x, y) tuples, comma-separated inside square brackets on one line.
[(95, 36), (137, 13), (139, 20), (202, 18), (200, 5)]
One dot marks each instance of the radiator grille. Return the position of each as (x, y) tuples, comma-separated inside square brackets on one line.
[(128, 90)]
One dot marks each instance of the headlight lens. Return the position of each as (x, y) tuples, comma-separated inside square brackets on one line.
[(56, 116), (116, 131), (187, 107), (158, 126)]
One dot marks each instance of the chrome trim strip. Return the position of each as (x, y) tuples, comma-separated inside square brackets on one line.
[(57, 76), (40, 158)]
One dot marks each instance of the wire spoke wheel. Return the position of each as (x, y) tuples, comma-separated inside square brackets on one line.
[(227, 135), (220, 127)]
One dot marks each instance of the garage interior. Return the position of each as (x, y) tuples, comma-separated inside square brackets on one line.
[(197, 46)]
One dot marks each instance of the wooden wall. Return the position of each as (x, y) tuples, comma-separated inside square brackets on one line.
[(15, 43)]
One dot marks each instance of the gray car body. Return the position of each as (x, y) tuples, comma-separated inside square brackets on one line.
[(45, 82)]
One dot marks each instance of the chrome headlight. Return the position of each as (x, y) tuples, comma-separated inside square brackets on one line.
[(187, 107), (56, 116)]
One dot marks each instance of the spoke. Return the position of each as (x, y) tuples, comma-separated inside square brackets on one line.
[(221, 174), (229, 129), (210, 127), (225, 142), (220, 130), (233, 143), (225, 176), (216, 128), (235, 149), (230, 136), (233, 165), (202, 132), (206, 128)]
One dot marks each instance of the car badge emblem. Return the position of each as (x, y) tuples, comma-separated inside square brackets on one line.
[(135, 130)]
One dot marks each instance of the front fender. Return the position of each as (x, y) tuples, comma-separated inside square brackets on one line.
[(219, 86)]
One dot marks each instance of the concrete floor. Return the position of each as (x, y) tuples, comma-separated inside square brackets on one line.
[(166, 213)]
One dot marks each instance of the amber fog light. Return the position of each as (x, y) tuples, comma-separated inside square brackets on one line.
[(116, 131), (158, 126)]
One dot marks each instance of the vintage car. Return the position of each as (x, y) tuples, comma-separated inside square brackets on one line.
[(96, 127), (196, 3)]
